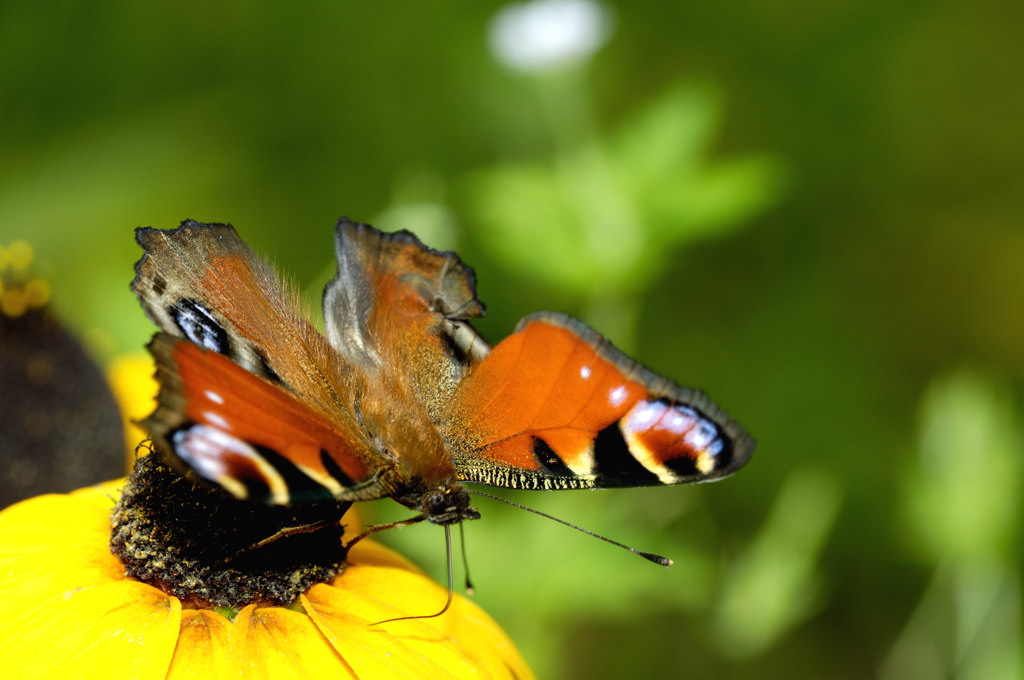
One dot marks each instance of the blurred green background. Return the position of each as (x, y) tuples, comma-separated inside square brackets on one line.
[(811, 211)]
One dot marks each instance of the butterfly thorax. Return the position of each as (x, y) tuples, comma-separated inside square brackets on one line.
[(432, 488), (400, 430)]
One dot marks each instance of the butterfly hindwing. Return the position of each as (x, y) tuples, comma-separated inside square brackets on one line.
[(250, 435), (555, 406)]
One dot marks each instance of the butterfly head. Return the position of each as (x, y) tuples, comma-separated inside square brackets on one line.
[(448, 504)]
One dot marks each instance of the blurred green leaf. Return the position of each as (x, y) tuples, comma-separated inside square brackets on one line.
[(776, 583), (668, 138), (963, 497), (517, 206), (964, 494), (607, 214), (720, 199)]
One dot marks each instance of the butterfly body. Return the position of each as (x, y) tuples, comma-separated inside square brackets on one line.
[(401, 398)]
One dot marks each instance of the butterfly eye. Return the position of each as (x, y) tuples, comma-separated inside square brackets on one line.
[(437, 503)]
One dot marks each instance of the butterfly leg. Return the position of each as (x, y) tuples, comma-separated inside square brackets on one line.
[(369, 531), (284, 532)]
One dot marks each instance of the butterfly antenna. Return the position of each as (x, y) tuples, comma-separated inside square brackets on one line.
[(465, 561), (448, 602), (657, 559)]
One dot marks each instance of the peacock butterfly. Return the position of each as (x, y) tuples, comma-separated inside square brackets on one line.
[(402, 398)]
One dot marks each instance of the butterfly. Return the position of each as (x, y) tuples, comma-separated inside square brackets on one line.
[(400, 397)]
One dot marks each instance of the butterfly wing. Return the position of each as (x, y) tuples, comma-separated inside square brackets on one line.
[(398, 309), (252, 436), (206, 289), (201, 282), (390, 286), (555, 406)]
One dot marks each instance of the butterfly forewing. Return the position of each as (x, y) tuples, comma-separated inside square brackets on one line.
[(204, 286), (380, 274), (398, 308), (556, 406), (201, 282)]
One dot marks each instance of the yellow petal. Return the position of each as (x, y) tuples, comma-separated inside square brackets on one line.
[(68, 612), (372, 553), (134, 385), (202, 650), (116, 630), (52, 545), (58, 521), (271, 643), (463, 641), (372, 652)]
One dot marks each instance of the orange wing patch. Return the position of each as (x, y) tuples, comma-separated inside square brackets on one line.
[(544, 381), (556, 406), (250, 435)]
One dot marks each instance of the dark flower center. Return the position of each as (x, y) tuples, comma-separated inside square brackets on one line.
[(209, 549)]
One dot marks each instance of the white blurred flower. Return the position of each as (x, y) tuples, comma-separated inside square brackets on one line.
[(544, 34)]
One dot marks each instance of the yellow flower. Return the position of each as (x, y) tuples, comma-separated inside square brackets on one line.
[(68, 611), (134, 384), (19, 291)]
